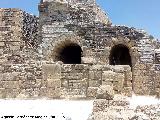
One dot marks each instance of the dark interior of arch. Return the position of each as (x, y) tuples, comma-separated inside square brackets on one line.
[(120, 55), (71, 54)]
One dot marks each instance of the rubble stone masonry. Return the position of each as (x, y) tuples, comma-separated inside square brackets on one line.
[(71, 50)]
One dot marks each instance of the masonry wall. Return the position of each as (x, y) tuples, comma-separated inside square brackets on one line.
[(17, 53), (157, 70), (52, 80), (63, 23), (30, 30), (19, 33), (29, 50), (58, 19), (10, 33), (84, 80)]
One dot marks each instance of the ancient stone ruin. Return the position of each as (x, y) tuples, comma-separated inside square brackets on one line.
[(72, 50)]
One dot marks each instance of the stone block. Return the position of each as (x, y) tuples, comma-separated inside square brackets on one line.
[(51, 71), (64, 83), (95, 75), (25, 93), (140, 79), (88, 60), (119, 82), (7, 77), (3, 60), (26, 84), (53, 93), (119, 101), (66, 68), (127, 79), (14, 48), (119, 77), (92, 92), (13, 76), (53, 83), (44, 83), (36, 92), (79, 66), (98, 75), (100, 105), (108, 76), (157, 92), (140, 72), (10, 84), (118, 68), (74, 85), (108, 82), (2, 44), (139, 90), (76, 76), (12, 93), (91, 75), (43, 92), (94, 83), (2, 93), (140, 67), (127, 91), (38, 83), (105, 92), (1, 51)]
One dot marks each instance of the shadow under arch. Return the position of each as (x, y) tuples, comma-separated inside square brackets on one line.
[(70, 54), (120, 55)]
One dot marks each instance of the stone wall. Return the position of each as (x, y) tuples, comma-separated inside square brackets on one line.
[(83, 81), (157, 79), (19, 32), (20, 80), (62, 19), (52, 80), (19, 72), (31, 30), (63, 22), (74, 80), (10, 34), (30, 48)]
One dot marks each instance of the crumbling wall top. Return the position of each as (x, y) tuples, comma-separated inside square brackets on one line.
[(70, 1), (77, 9)]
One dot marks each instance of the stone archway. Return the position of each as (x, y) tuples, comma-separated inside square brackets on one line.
[(70, 54), (67, 48), (120, 55)]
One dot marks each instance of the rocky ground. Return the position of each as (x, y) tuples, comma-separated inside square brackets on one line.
[(126, 108), (119, 108)]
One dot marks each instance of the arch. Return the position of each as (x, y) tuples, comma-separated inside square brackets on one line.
[(70, 54), (62, 43), (120, 55)]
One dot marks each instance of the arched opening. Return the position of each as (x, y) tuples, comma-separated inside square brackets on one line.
[(120, 55), (70, 54)]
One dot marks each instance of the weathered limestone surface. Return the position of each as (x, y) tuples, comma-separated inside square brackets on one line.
[(52, 80), (32, 48), (120, 108), (38, 59), (105, 92)]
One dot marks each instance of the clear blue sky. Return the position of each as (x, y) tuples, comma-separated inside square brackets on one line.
[(142, 14)]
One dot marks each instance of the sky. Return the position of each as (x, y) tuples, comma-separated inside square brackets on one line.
[(141, 14)]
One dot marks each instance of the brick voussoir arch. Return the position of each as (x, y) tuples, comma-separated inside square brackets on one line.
[(63, 41), (128, 43)]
